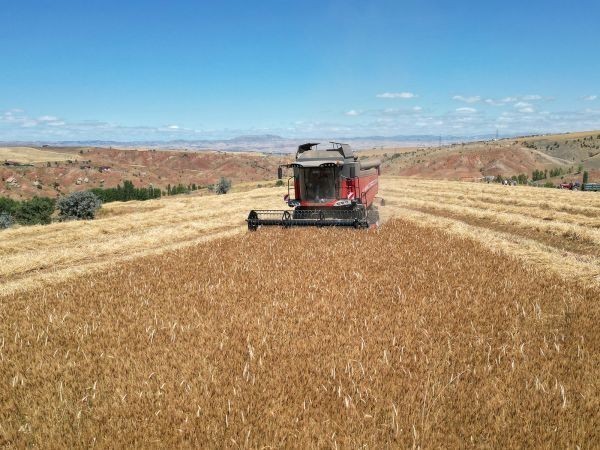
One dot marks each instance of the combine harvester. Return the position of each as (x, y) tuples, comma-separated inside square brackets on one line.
[(331, 187)]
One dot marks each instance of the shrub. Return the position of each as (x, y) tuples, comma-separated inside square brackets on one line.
[(7, 205), (279, 183), (79, 206), (223, 186), (6, 220), (36, 211)]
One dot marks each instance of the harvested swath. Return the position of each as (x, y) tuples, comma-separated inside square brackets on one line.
[(39, 254), (569, 231), (535, 254), (585, 216), (563, 240), (403, 337)]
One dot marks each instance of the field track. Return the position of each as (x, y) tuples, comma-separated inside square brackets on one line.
[(548, 229), (405, 336)]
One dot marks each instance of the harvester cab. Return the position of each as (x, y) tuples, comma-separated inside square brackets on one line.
[(330, 187)]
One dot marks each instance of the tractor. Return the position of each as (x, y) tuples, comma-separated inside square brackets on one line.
[(329, 187)]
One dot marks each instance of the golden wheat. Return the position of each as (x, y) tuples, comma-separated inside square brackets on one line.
[(404, 336)]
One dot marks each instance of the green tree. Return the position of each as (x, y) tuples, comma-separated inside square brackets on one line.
[(126, 193), (537, 175), (36, 211)]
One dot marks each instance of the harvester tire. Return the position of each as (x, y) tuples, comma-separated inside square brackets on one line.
[(287, 219), (252, 216), (373, 216)]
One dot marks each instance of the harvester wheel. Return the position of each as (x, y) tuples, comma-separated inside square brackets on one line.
[(251, 218), (287, 219), (373, 216)]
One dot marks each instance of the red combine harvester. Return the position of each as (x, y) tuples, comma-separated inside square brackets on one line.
[(331, 187), (571, 186)]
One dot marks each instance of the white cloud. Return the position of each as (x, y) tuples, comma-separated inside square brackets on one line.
[(590, 98), (397, 95), (529, 98), (522, 105), (461, 98), (491, 101), (466, 110), (518, 100), (411, 119), (352, 113), (47, 119)]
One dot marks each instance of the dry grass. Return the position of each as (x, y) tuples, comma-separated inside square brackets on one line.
[(31, 155), (402, 337), (561, 136)]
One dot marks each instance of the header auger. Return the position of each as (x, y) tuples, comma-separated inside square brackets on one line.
[(330, 187)]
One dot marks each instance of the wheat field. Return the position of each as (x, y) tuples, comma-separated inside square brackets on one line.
[(404, 336), (549, 229), (469, 318)]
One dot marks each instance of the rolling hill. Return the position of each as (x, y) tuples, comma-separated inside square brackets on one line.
[(60, 170), (504, 157)]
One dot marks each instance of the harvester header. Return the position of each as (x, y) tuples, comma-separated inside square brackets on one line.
[(330, 187)]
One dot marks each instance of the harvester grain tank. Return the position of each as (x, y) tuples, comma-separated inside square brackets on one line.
[(330, 187)]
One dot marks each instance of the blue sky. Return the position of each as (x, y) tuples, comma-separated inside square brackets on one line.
[(132, 70)]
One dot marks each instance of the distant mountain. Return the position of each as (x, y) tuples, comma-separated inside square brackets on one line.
[(263, 143), (256, 138)]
